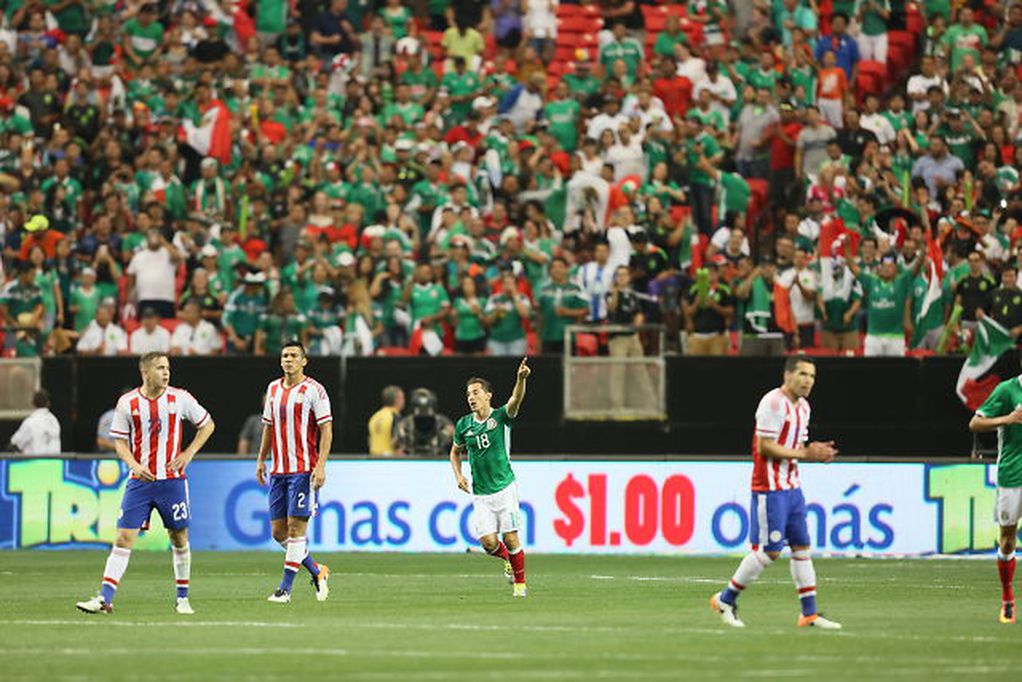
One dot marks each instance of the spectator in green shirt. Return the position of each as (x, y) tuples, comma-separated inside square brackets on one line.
[(427, 301), (621, 47), (964, 38), (505, 313), (469, 330), (143, 36), (560, 303), (281, 324), (244, 308), (669, 37)]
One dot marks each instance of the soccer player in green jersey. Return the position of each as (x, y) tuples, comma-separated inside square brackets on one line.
[(1003, 411), (485, 434)]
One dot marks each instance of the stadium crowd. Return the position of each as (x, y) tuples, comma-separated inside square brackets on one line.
[(425, 177)]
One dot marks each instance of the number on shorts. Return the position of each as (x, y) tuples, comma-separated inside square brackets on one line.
[(180, 511), (483, 441), (301, 499)]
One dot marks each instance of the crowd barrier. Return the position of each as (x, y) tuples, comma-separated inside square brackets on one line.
[(613, 507)]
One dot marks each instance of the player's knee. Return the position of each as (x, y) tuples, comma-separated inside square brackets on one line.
[(489, 543), (178, 538), (296, 527), (125, 538), (511, 541)]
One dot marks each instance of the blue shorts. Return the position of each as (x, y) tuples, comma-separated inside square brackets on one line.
[(291, 495), (778, 516), (169, 497)]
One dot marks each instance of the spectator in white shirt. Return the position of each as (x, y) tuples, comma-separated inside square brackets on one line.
[(610, 118), (150, 336), (627, 156), (720, 239), (801, 283), (194, 335), (722, 91), (919, 85), (39, 434), (103, 336), (595, 278), (152, 273)]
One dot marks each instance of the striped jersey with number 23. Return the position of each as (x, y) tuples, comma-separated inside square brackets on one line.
[(786, 423), (488, 443)]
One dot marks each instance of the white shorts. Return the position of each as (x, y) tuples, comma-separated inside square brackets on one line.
[(884, 346), (498, 512), (1008, 509)]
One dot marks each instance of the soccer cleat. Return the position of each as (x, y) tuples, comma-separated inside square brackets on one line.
[(728, 612), (320, 583), (818, 621), (280, 597), (95, 605), (509, 573), (183, 607), (520, 590), (1007, 612)]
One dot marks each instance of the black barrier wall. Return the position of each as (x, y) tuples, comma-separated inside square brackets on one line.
[(869, 406)]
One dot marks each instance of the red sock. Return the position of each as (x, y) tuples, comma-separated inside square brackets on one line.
[(500, 552), (518, 565), (1007, 572)]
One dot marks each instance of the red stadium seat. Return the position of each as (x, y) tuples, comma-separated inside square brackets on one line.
[(393, 351), (580, 24), (564, 10)]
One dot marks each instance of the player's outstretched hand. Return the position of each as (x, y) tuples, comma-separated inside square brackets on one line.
[(261, 473), (523, 369), (821, 451), (463, 484)]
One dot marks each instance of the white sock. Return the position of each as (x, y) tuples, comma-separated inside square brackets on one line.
[(116, 565), (283, 545), (803, 573), (295, 554), (750, 568), (1001, 556), (182, 557)]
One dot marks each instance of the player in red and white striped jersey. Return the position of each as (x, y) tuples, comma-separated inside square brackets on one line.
[(146, 431), (298, 430), (778, 512)]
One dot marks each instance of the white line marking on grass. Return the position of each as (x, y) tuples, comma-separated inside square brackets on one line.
[(85, 620)]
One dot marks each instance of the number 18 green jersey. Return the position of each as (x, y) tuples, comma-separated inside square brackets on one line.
[(489, 450), (1004, 399)]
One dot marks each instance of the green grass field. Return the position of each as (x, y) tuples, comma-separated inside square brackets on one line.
[(451, 617)]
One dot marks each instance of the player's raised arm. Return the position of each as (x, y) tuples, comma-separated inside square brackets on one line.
[(518, 394)]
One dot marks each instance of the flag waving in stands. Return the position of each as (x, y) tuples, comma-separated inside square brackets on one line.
[(978, 376), (212, 137)]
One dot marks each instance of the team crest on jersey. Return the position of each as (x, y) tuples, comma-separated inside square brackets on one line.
[(491, 423)]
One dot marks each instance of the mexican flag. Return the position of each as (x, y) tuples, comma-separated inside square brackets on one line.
[(978, 377), (213, 136)]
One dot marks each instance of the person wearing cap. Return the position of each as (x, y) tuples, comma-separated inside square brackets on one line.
[(245, 306), (708, 307), (151, 336), (103, 336), (38, 232), (887, 291), (582, 84)]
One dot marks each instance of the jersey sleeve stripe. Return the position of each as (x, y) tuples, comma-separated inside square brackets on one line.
[(325, 418), (202, 422)]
